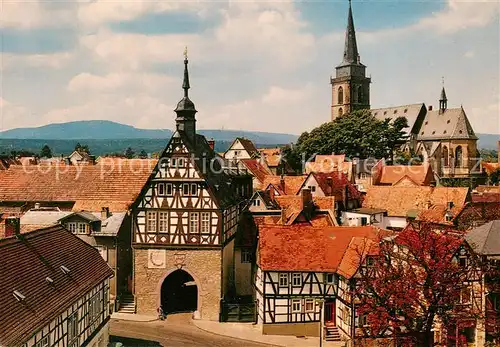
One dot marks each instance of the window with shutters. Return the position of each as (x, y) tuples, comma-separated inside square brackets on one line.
[(163, 222), (151, 222)]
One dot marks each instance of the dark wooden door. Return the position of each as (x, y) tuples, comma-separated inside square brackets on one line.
[(330, 313)]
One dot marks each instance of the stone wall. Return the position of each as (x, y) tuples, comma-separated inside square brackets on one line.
[(151, 267)]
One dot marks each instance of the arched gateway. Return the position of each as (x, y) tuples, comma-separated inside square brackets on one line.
[(179, 293)]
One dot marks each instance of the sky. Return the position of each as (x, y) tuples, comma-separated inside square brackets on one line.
[(254, 65)]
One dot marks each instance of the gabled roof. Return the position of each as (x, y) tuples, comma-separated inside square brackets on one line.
[(302, 247), (271, 155), (248, 146), (72, 183), (88, 216), (356, 252), (339, 182), (452, 124), (485, 240), (292, 183), (27, 262)]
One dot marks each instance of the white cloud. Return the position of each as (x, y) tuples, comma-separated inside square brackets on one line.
[(469, 54), (113, 82), (11, 115), (33, 14), (51, 60)]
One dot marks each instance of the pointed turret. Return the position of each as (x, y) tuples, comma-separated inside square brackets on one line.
[(443, 101), (351, 55), (185, 109)]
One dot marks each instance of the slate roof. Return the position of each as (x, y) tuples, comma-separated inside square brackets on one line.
[(398, 201), (452, 124), (485, 240), (26, 262), (73, 183), (302, 247), (410, 112)]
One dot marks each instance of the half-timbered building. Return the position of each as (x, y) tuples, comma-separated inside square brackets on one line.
[(297, 277), (49, 296), (184, 223)]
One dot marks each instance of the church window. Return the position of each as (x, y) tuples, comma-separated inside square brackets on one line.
[(444, 132), (448, 121), (340, 96), (406, 110), (395, 111), (433, 132), (446, 158), (296, 279), (283, 280), (385, 112), (458, 156), (185, 189), (194, 189), (163, 222), (151, 222), (205, 222), (360, 95), (422, 133), (426, 122), (341, 112), (161, 189), (296, 306), (169, 189), (460, 131), (193, 222)]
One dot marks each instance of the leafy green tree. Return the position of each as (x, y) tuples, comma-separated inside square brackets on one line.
[(495, 177), (143, 154), (358, 134), (293, 159), (46, 152), (129, 153), (82, 148)]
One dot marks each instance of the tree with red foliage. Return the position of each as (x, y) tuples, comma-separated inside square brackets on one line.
[(418, 278)]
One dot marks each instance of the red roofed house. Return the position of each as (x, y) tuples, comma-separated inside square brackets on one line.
[(300, 267), (49, 296), (403, 175), (330, 163), (258, 169)]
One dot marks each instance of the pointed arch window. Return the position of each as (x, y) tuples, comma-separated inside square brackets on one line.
[(340, 96), (458, 156), (341, 112), (446, 157)]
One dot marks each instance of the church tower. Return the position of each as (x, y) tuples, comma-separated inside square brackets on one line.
[(350, 87)]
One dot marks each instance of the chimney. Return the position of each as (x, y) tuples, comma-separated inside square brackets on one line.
[(428, 204), (283, 216), (37, 206), (282, 183), (12, 226), (306, 198), (329, 183), (104, 213), (430, 107), (211, 143)]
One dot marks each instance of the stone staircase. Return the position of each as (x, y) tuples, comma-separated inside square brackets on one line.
[(332, 333), (127, 304)]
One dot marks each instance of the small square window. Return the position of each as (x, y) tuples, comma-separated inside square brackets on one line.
[(330, 278), (283, 281), (297, 280), (246, 256), (309, 305), (296, 306)]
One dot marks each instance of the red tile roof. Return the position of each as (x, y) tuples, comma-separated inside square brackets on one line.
[(25, 265), (390, 175), (292, 183), (302, 247), (104, 183), (271, 155), (490, 167), (339, 183), (358, 249), (256, 168)]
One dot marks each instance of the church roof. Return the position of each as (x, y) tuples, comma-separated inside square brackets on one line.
[(410, 112), (485, 239), (351, 53), (452, 124)]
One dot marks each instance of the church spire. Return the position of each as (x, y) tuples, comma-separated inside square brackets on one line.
[(443, 100), (351, 55), (185, 121)]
